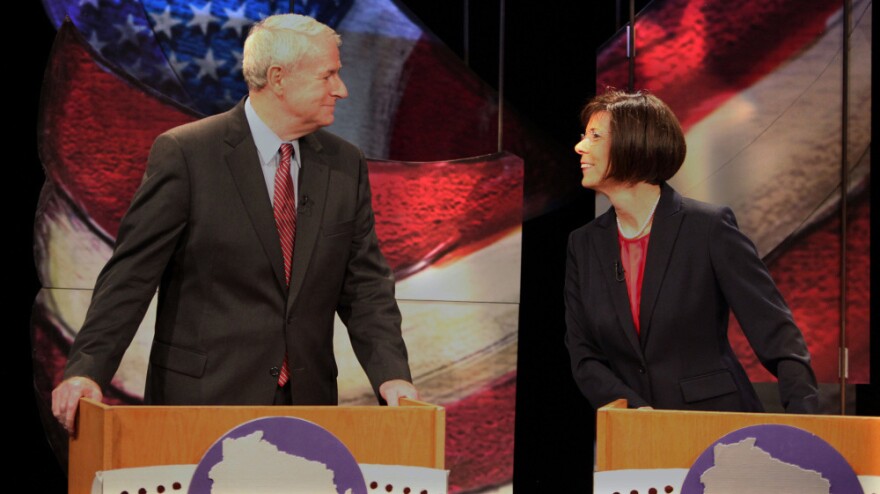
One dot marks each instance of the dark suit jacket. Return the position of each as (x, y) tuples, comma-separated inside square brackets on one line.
[(699, 265), (201, 229)]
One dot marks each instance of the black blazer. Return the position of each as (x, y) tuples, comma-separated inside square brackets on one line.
[(698, 267), (201, 230)]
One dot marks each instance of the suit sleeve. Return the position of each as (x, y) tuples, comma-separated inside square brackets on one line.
[(590, 366), (763, 314), (367, 304), (146, 240)]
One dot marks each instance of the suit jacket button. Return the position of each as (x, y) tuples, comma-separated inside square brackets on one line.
[(275, 371), (642, 370)]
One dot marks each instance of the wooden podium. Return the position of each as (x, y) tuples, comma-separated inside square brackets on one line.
[(111, 437), (643, 439)]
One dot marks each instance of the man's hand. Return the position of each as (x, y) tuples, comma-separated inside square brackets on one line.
[(394, 389), (65, 398)]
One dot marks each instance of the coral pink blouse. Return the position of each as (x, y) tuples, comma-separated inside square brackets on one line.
[(633, 253)]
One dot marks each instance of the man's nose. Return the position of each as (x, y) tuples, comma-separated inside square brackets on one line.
[(340, 91)]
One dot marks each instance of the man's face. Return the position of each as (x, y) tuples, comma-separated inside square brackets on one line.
[(311, 89)]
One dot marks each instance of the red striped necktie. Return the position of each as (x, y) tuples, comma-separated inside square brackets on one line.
[(285, 221)]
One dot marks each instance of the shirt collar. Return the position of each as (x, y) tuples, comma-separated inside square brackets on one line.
[(267, 142)]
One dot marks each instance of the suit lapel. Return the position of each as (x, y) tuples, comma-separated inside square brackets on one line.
[(608, 248), (664, 232), (313, 185), (244, 165)]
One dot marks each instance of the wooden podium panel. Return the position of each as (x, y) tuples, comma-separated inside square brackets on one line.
[(111, 437), (632, 438)]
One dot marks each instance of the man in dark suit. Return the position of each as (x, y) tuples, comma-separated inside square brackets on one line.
[(248, 287)]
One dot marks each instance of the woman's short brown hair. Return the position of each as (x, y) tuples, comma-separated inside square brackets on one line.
[(647, 143)]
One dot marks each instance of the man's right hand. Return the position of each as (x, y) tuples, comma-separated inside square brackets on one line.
[(65, 398)]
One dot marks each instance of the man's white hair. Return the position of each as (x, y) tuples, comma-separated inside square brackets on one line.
[(279, 40)]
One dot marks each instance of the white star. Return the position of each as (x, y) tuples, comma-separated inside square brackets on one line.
[(280, 9), (138, 70), (96, 43), (93, 3), (164, 22), (177, 65), (208, 66), (313, 12), (173, 70), (166, 74), (202, 18), (227, 97), (238, 56), (130, 30), (237, 19)]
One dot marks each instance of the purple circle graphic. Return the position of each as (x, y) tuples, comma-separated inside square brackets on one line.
[(294, 437), (789, 445)]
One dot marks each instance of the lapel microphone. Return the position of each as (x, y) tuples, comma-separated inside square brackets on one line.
[(619, 273), (305, 206)]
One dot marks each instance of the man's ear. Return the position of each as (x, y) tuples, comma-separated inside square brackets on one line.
[(274, 76)]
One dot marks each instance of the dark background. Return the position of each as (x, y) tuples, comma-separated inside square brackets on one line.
[(549, 75)]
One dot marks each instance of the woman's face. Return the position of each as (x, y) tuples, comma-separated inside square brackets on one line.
[(595, 148)]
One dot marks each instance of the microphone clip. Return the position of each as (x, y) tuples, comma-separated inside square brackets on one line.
[(305, 206), (619, 272)]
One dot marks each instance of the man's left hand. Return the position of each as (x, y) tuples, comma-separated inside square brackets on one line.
[(395, 389)]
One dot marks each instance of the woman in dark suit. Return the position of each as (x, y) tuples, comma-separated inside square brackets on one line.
[(650, 283)]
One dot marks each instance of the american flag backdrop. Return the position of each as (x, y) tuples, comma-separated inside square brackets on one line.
[(410, 98), (121, 72)]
